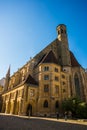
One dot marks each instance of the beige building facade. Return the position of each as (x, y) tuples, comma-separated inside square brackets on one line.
[(41, 85)]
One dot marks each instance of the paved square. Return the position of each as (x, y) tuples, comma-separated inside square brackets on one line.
[(17, 123)]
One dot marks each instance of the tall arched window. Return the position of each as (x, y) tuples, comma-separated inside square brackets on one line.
[(83, 86), (45, 105), (57, 104), (77, 85)]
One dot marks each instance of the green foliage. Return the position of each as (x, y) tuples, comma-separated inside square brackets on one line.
[(76, 106)]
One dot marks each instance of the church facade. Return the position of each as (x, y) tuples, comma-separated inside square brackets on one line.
[(44, 82)]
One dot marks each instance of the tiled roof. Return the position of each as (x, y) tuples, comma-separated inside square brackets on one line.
[(49, 58), (40, 60), (74, 61), (31, 80)]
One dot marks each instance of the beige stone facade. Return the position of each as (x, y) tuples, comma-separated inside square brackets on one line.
[(40, 86), (1, 88)]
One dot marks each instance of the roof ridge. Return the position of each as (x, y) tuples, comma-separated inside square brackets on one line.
[(46, 56), (49, 58), (74, 61)]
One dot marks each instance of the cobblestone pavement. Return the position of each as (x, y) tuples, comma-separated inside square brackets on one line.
[(24, 123)]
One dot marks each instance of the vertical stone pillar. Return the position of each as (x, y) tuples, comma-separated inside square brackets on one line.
[(3, 107), (24, 100), (6, 110), (23, 109), (20, 108), (12, 107)]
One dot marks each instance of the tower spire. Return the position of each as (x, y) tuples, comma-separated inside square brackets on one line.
[(7, 79), (8, 72)]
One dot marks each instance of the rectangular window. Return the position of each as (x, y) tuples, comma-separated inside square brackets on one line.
[(56, 69), (56, 88), (46, 77), (63, 76), (46, 88), (64, 90), (56, 78), (63, 83), (46, 68)]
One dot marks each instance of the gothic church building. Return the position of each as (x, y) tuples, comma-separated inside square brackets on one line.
[(44, 82)]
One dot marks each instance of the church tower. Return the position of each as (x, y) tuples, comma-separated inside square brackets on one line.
[(64, 47)]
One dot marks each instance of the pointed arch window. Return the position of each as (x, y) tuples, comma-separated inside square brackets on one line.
[(65, 31), (77, 85), (57, 104), (61, 30), (45, 105), (58, 32)]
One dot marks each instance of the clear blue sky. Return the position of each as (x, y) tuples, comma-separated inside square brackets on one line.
[(27, 26)]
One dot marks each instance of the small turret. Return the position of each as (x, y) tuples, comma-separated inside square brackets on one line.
[(62, 33)]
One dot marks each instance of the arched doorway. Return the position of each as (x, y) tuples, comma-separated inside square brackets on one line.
[(57, 106), (29, 110), (45, 105)]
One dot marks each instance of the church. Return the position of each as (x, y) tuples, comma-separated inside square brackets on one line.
[(45, 81)]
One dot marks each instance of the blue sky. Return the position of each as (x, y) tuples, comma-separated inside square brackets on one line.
[(27, 26)]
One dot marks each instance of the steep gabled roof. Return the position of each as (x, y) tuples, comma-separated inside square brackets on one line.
[(74, 61), (49, 58), (30, 80)]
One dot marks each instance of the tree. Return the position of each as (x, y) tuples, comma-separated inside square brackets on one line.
[(76, 106)]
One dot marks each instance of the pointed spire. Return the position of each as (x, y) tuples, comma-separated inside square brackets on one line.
[(8, 72), (7, 79)]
